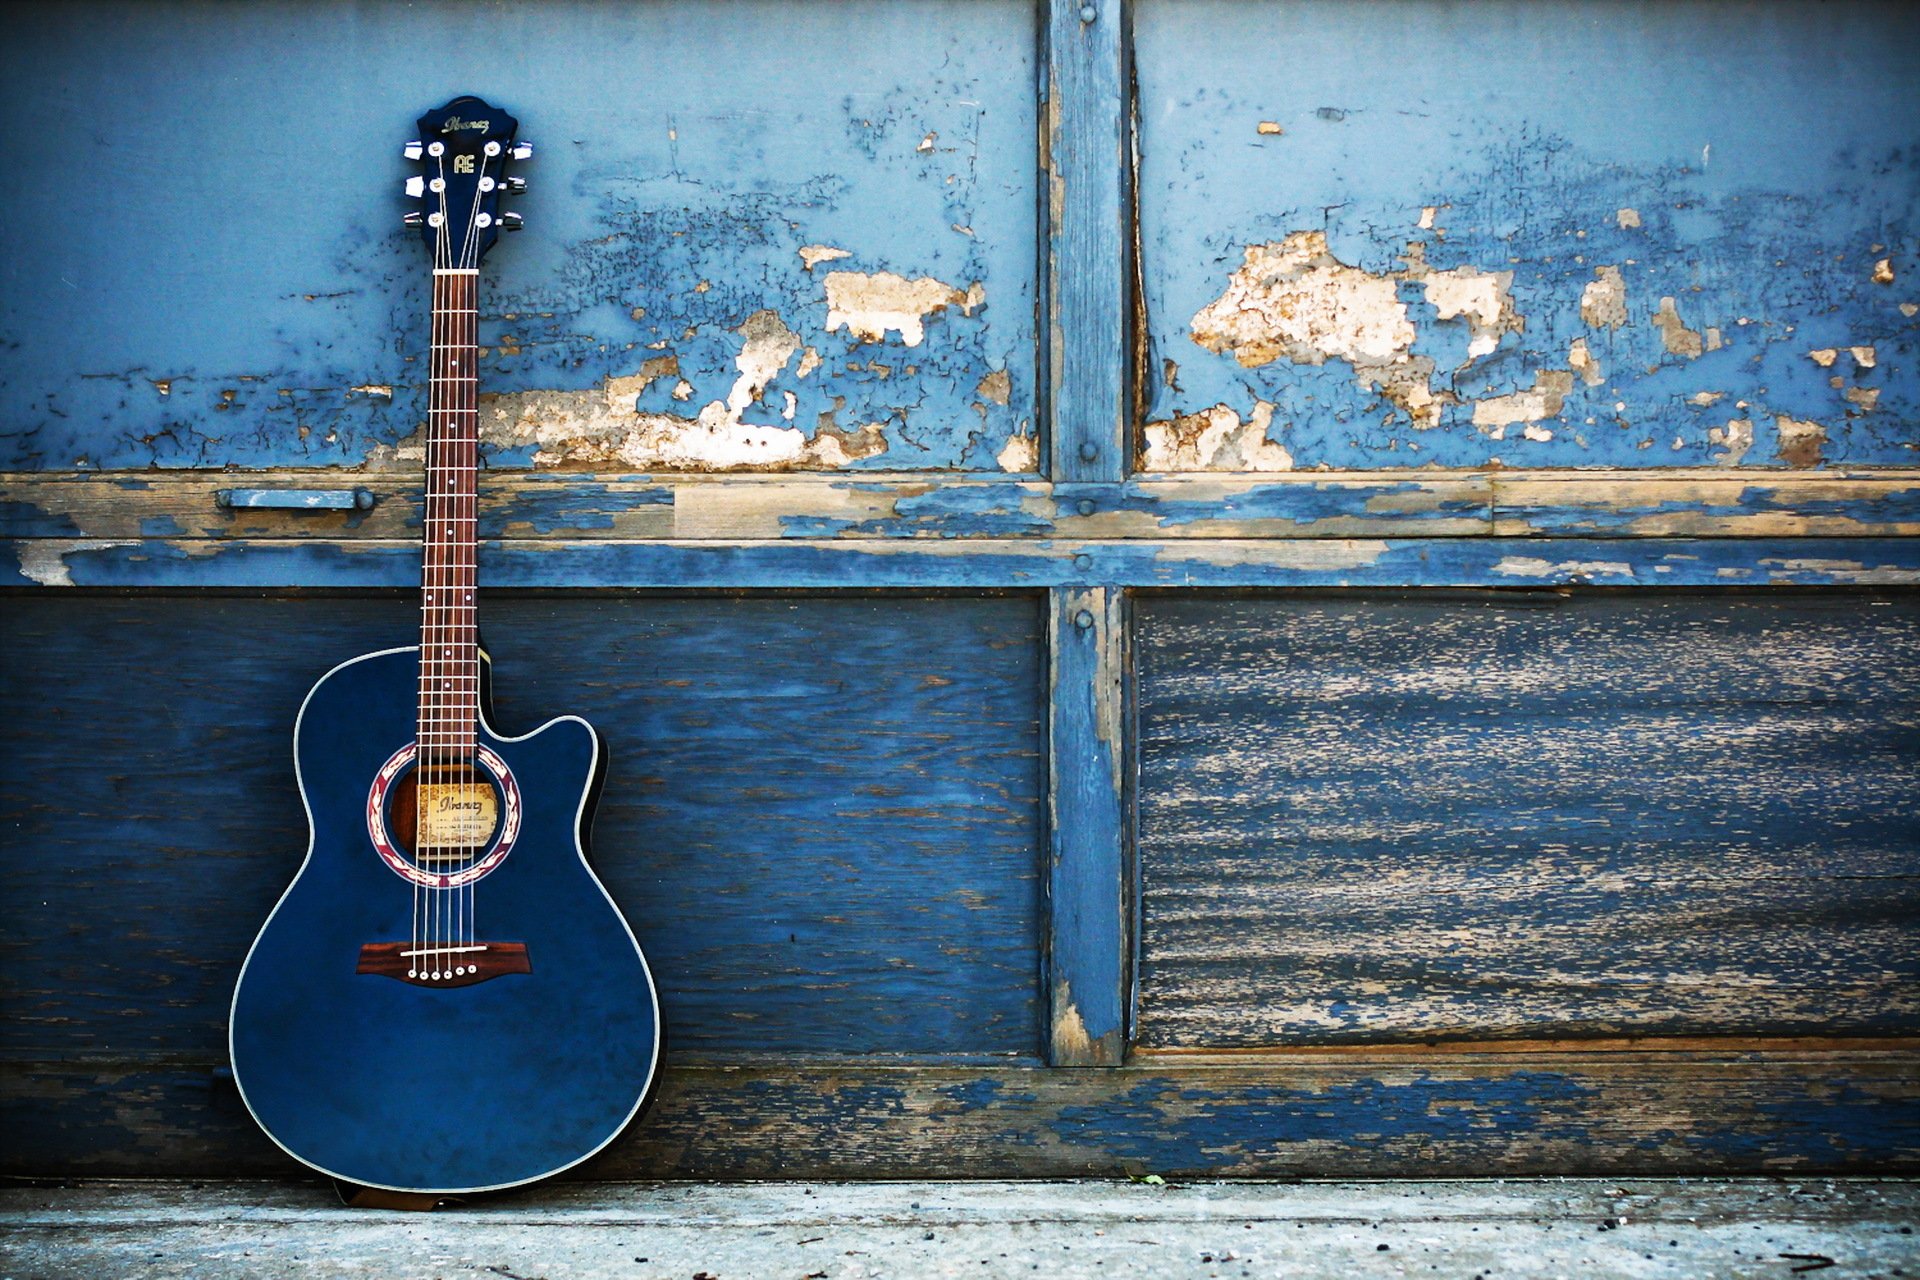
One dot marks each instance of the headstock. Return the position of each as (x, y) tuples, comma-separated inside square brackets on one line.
[(463, 150)]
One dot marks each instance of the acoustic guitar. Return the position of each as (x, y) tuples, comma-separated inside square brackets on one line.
[(445, 999)]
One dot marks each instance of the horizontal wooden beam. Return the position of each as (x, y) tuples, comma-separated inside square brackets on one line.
[(1727, 1108), (980, 564), (562, 506), (1703, 504)]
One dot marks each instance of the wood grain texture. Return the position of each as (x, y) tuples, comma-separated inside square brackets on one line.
[(1087, 869), (1736, 1108), (535, 506), (1409, 818), (1710, 504), (984, 563), (1087, 160), (822, 818)]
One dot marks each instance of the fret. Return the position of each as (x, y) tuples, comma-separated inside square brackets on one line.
[(449, 653)]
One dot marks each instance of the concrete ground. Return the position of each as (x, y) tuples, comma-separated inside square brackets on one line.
[(821, 1231)]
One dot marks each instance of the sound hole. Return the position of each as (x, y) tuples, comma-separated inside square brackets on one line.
[(444, 813)]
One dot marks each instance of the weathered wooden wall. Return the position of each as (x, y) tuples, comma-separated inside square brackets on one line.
[(939, 444), (759, 240), (1569, 235), (827, 856), (1527, 816)]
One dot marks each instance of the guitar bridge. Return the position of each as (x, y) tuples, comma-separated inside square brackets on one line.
[(449, 966)]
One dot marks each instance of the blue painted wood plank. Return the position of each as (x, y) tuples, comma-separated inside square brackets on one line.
[(846, 202), (1415, 818), (1746, 1108), (1753, 505), (1549, 235), (1411, 504), (1089, 239), (986, 563), (823, 818), (1087, 955)]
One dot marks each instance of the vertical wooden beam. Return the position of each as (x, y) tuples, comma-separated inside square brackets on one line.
[(1088, 164), (1089, 240), (1087, 869)]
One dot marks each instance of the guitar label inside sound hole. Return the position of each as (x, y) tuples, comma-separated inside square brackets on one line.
[(443, 826), (444, 813)]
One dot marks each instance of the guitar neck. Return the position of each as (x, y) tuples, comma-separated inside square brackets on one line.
[(449, 649)]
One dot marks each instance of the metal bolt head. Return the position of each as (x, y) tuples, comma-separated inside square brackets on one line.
[(1083, 561), (1088, 13), (1089, 451), (1083, 620), (1084, 506)]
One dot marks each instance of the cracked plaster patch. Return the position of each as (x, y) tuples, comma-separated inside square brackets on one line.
[(1020, 453), (602, 427), (1215, 439), (1603, 303), (1542, 400), (1580, 360), (870, 305), (1802, 442), (812, 255), (1678, 339), (1483, 298), (1733, 441), (1294, 300)]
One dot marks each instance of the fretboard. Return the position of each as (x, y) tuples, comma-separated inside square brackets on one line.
[(449, 654)]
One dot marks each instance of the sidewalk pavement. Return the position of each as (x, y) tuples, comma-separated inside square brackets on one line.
[(1774, 1228)]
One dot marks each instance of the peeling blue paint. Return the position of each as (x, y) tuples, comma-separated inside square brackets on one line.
[(1549, 143), (1300, 504), (1000, 565), (1883, 507), (1172, 1124), (27, 520), (971, 511), (663, 209)]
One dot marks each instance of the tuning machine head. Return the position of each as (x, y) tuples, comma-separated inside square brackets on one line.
[(520, 151), (512, 222)]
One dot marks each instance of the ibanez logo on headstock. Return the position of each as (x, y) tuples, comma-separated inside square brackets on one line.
[(463, 151)]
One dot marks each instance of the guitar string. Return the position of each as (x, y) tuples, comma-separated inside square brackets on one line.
[(422, 678), (429, 763), (467, 454), (449, 730), (444, 920), (423, 753), (462, 701)]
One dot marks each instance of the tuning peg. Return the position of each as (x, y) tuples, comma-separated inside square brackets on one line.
[(416, 187), (512, 222), (513, 186), (414, 150), (521, 151), (413, 218)]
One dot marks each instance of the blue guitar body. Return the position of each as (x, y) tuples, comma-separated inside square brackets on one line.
[(412, 1085)]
